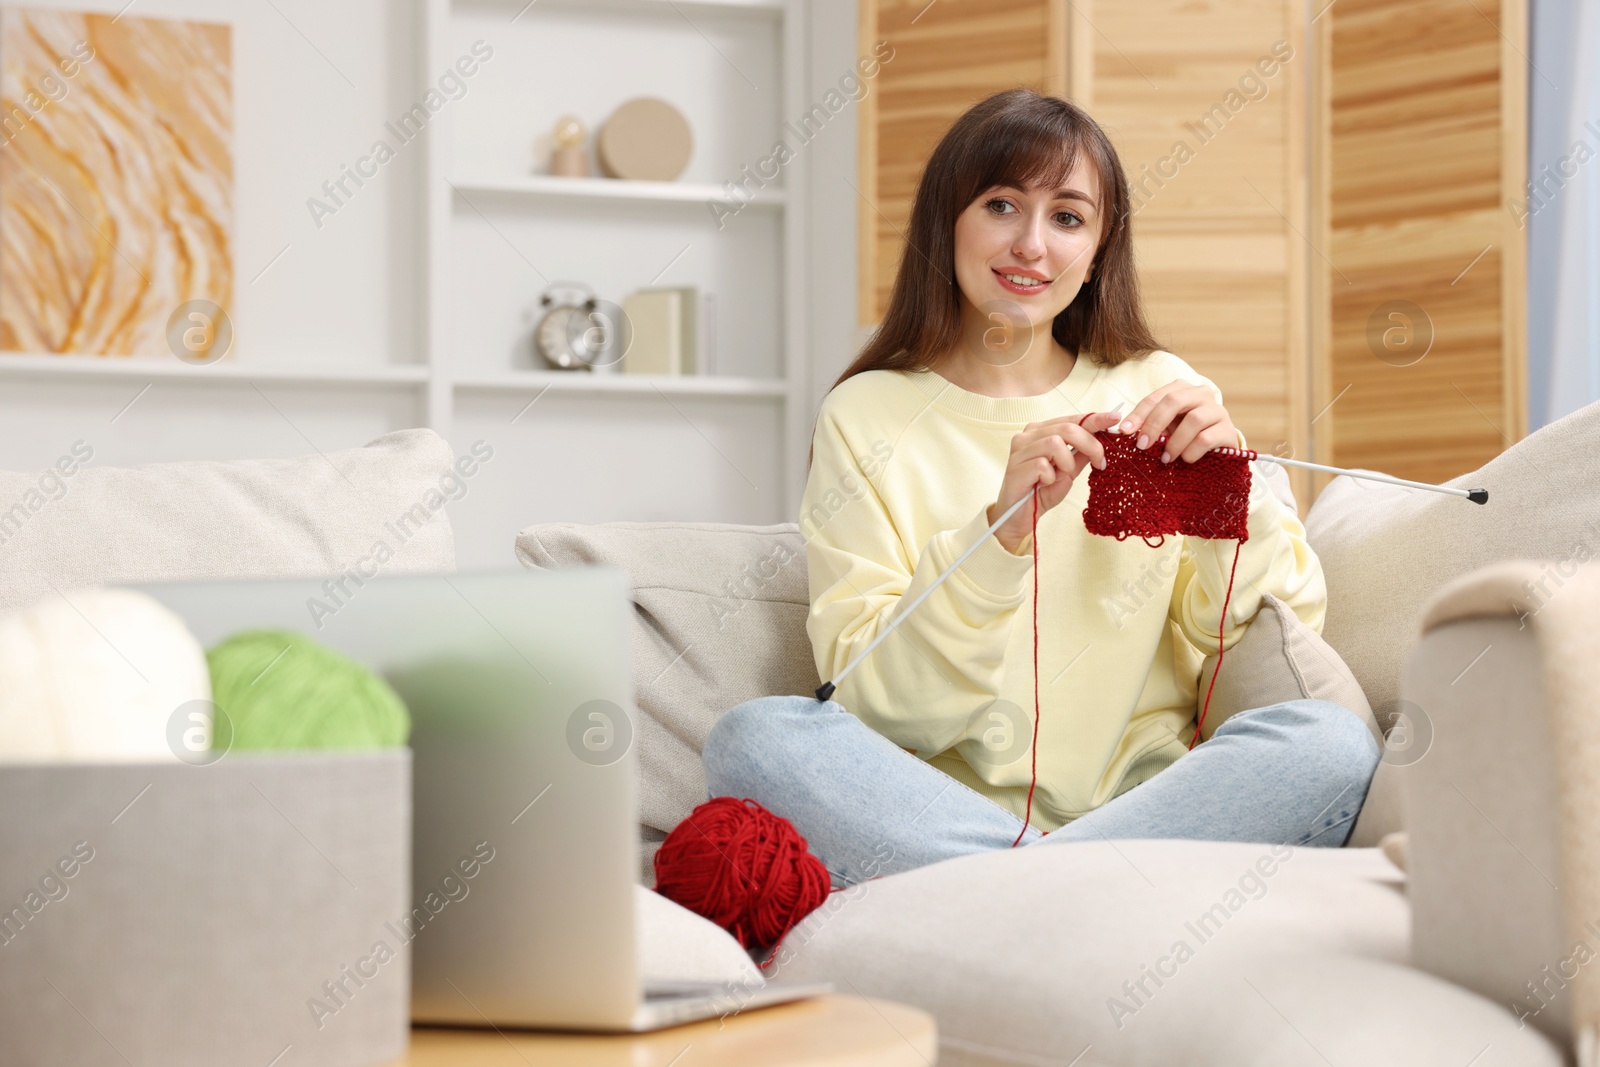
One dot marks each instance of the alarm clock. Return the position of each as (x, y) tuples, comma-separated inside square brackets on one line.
[(576, 330)]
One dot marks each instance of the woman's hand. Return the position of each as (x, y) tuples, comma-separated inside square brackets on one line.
[(1189, 414), (1040, 456)]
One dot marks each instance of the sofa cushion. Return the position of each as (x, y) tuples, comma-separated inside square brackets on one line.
[(1071, 954), (307, 516), (720, 612), (1385, 549)]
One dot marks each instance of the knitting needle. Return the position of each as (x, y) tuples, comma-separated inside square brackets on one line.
[(825, 690), (1477, 496)]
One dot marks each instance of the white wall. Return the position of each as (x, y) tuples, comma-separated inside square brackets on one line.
[(835, 205)]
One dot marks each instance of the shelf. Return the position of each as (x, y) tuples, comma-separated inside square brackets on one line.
[(739, 68), (616, 382), (773, 9), (545, 185), (404, 376), (18, 365)]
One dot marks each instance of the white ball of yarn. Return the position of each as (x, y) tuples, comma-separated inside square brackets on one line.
[(95, 676)]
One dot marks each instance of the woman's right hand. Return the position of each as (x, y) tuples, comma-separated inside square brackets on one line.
[(1040, 456)]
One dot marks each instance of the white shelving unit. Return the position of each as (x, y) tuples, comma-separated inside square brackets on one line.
[(736, 69)]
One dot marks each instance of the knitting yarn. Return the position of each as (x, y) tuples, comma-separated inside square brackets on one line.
[(744, 868), (279, 689), (95, 675)]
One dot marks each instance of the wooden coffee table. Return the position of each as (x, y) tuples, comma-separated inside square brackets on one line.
[(827, 1031)]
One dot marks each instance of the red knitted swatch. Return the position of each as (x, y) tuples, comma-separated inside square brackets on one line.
[(1138, 494)]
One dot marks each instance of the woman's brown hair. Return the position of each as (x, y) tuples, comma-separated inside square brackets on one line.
[(1018, 138)]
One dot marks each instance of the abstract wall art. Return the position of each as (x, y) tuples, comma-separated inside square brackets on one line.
[(116, 180)]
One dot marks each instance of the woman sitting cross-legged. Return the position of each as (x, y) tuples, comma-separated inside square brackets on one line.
[(1013, 332)]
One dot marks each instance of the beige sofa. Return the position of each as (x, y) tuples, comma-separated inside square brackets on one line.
[(1072, 955), (1067, 956)]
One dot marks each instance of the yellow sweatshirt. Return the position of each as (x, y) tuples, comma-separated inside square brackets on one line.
[(904, 466)]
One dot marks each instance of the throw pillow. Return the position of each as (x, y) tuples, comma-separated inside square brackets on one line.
[(1279, 658), (1385, 549), (359, 509)]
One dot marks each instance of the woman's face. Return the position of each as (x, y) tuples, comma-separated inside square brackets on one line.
[(1043, 238)]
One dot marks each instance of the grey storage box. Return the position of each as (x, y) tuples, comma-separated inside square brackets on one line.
[(249, 912)]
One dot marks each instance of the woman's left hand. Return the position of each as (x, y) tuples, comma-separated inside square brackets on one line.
[(1189, 414)]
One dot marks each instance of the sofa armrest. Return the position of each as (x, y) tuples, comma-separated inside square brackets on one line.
[(1503, 800)]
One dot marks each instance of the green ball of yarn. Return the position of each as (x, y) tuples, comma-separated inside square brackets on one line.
[(279, 689)]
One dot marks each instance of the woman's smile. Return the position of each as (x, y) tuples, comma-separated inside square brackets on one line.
[(1024, 283)]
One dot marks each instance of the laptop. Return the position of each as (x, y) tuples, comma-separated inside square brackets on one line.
[(525, 815)]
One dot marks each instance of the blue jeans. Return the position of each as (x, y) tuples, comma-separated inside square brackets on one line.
[(1292, 773)]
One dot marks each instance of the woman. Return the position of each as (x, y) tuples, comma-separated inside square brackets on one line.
[(1013, 334)]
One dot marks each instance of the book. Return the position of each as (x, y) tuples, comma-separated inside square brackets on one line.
[(673, 331), (655, 332)]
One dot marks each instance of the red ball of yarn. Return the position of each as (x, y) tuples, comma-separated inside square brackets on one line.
[(742, 867)]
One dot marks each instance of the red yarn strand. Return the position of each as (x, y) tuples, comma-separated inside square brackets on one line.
[(1220, 625), (1033, 772)]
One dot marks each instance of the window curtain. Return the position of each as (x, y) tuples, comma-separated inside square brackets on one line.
[(1561, 210)]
